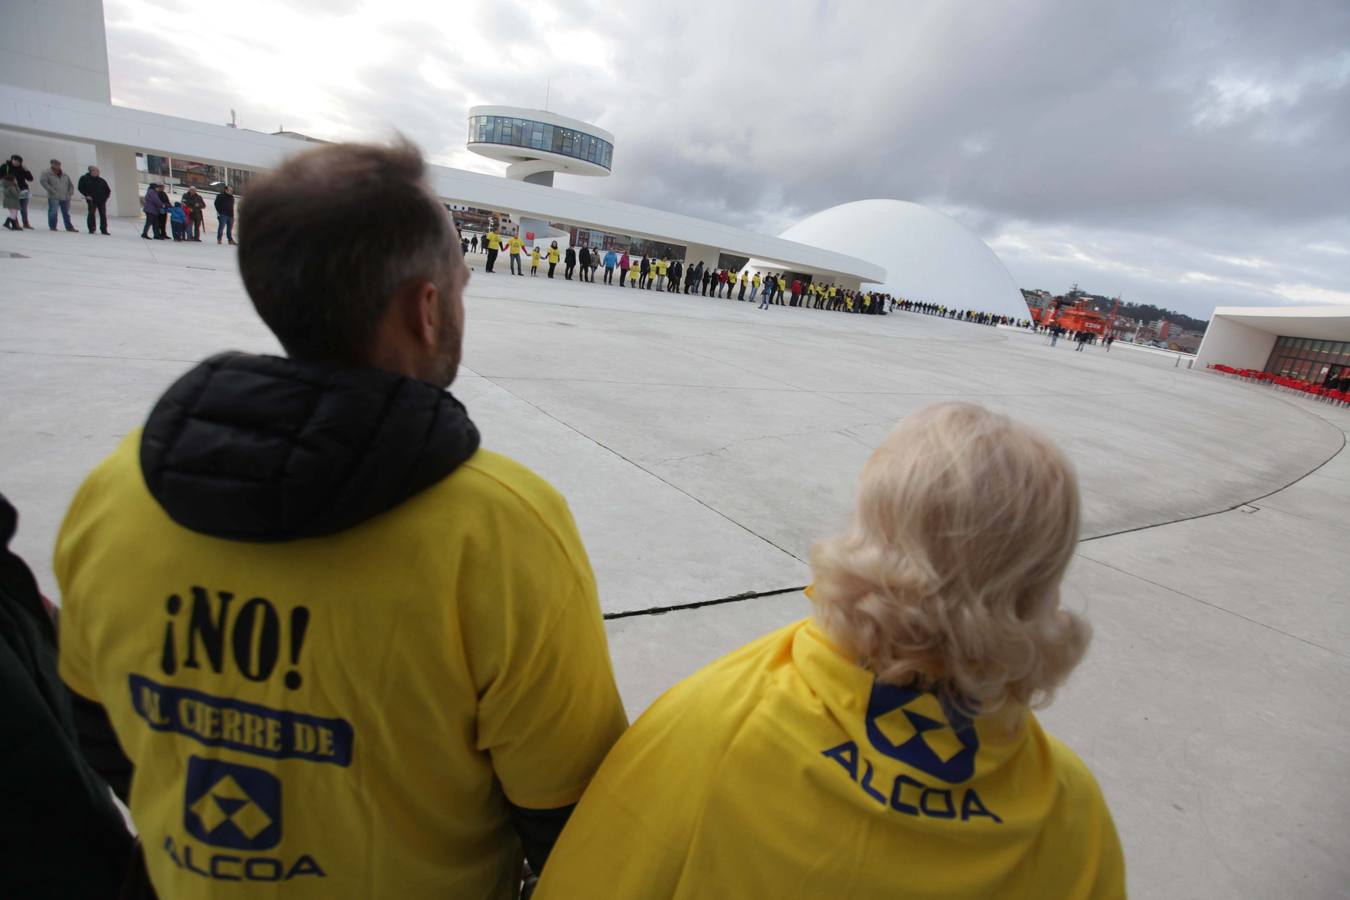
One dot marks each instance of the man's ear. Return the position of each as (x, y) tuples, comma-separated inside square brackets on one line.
[(421, 313)]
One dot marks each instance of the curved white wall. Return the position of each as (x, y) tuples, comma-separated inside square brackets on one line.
[(927, 256)]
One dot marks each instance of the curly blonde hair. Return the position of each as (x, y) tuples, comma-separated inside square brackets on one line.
[(949, 575)]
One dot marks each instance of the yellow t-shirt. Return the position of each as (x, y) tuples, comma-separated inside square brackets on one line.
[(494, 241), (348, 715), (553, 254), (534, 256), (661, 267), (732, 279), (755, 281), (785, 770), (515, 244)]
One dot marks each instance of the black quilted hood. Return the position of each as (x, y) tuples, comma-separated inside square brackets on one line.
[(258, 448)]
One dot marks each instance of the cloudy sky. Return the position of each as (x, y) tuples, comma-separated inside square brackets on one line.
[(1185, 154)]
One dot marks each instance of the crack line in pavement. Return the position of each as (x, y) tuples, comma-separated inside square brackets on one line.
[(1227, 509), (680, 607), (1222, 609), (635, 465)]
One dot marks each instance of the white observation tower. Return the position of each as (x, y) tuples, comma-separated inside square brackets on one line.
[(538, 143)]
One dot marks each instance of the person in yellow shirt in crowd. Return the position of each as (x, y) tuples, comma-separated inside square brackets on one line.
[(732, 278), (553, 257), (534, 261), (346, 650), (754, 287), (494, 246), (884, 747), (514, 246)]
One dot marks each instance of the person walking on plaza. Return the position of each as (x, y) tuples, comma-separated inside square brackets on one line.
[(427, 690), (754, 287), (644, 267), (611, 262), (473, 243), (769, 282), (59, 190), (584, 258), (153, 206), (494, 246), (10, 185), (707, 279), (225, 214), (95, 192), (595, 263), (23, 178), (195, 204), (796, 291), (534, 261), (624, 265), (552, 258), (515, 246), (884, 746), (745, 282), (570, 260)]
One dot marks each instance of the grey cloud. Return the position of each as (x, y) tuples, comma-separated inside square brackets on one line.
[(1166, 137)]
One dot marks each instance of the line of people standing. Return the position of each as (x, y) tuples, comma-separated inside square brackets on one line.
[(15, 181)]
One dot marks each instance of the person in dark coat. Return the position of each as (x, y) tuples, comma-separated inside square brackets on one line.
[(166, 206), (569, 263), (225, 214), (586, 265), (153, 207), (61, 835), (95, 192), (195, 204), (707, 277), (22, 177)]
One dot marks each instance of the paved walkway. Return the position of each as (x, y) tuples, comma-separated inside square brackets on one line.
[(704, 445)]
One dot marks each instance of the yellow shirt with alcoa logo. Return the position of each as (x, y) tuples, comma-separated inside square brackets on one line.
[(345, 716), (515, 244), (785, 770)]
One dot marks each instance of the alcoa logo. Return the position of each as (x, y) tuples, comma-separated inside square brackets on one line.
[(232, 806), (922, 732)]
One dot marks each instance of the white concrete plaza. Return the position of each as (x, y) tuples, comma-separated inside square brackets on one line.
[(704, 445)]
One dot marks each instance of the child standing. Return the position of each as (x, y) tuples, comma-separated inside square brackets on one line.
[(534, 261), (178, 216)]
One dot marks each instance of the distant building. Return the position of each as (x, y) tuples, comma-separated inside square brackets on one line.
[(1311, 342)]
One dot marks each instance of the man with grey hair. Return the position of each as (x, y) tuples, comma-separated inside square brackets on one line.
[(95, 192), (59, 190)]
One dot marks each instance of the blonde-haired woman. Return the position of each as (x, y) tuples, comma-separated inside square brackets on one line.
[(886, 747)]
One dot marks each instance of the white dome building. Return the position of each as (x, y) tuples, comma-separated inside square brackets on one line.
[(927, 256)]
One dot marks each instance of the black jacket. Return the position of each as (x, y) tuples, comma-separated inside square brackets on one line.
[(570, 257), (225, 205), (60, 834), (21, 174), (585, 257), (259, 448), (94, 187)]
